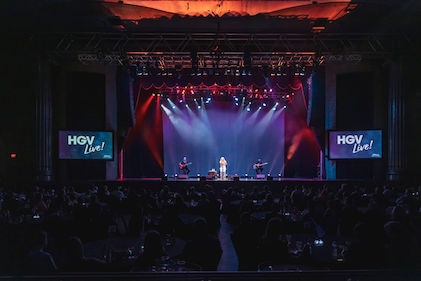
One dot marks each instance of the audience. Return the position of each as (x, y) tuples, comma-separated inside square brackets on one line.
[(382, 224)]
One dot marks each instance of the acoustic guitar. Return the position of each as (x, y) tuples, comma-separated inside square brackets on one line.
[(183, 165), (256, 166)]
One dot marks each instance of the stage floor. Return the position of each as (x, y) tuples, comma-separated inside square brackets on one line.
[(229, 179)]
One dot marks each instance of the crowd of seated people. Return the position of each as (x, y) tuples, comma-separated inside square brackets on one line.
[(73, 215), (381, 224)]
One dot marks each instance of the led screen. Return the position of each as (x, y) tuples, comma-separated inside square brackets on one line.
[(365, 144), (85, 145)]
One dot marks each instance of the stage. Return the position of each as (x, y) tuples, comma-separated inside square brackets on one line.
[(275, 184)]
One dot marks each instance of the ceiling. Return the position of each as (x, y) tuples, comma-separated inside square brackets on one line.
[(169, 33)]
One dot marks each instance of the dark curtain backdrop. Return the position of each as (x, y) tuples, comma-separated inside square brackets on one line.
[(143, 146), (85, 111), (355, 103), (302, 150)]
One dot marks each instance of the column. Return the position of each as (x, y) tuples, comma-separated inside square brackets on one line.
[(330, 118), (44, 165), (396, 110)]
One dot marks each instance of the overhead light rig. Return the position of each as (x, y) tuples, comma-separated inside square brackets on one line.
[(173, 50), (234, 63)]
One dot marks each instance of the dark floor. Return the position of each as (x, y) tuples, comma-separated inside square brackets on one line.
[(229, 261)]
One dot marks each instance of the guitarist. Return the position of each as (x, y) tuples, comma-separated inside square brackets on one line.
[(258, 166), (184, 166)]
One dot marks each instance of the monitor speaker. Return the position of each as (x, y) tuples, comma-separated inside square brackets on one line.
[(260, 176)]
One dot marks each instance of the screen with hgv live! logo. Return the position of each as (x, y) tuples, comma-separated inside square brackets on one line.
[(365, 144), (85, 145)]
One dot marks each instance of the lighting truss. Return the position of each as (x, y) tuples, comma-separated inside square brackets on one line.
[(170, 50), (206, 60)]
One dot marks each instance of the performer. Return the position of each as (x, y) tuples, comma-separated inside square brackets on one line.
[(258, 166), (223, 167), (184, 166)]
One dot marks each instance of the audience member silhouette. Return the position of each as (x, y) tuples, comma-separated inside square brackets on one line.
[(38, 260), (244, 239), (366, 250), (273, 245), (401, 245), (204, 249), (76, 261), (153, 250)]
